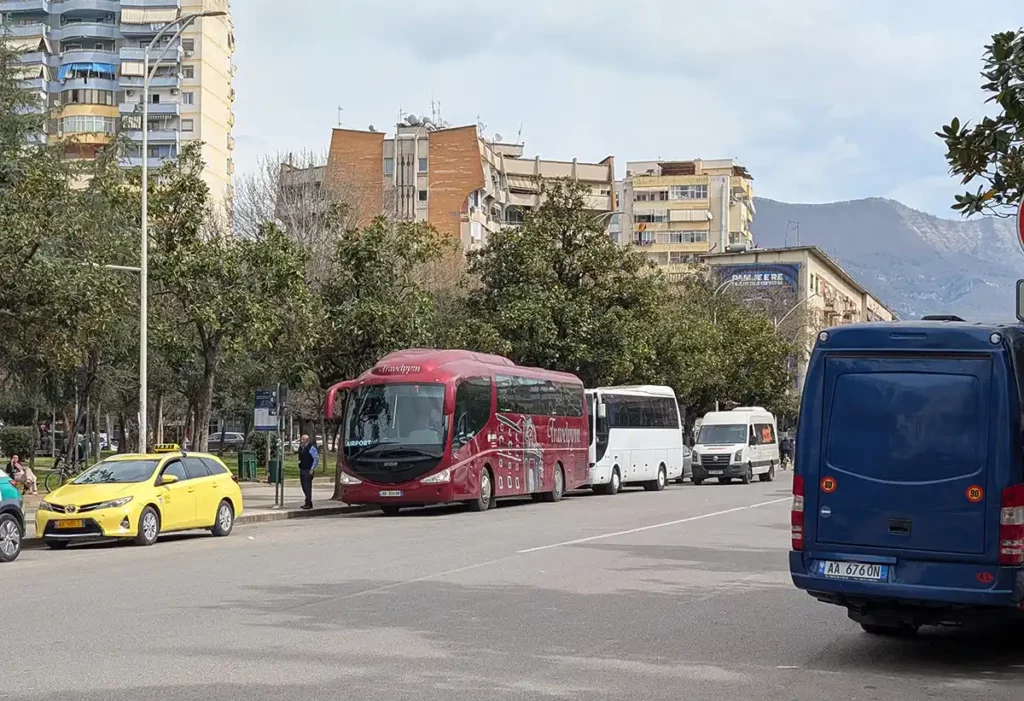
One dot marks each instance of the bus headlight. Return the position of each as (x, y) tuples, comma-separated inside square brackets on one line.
[(348, 479), (442, 477)]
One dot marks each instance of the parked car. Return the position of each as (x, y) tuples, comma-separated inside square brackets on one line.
[(12, 520), (687, 464), (139, 496), (230, 441)]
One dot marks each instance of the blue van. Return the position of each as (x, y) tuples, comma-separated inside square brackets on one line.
[(908, 495)]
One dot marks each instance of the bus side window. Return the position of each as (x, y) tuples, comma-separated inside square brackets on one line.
[(472, 408)]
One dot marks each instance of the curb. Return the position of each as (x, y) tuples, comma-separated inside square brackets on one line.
[(251, 519)]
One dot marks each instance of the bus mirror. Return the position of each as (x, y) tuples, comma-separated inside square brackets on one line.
[(1020, 299), (602, 411)]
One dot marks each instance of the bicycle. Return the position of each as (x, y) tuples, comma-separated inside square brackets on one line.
[(62, 473)]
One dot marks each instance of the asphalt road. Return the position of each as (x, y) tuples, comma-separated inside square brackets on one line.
[(673, 595)]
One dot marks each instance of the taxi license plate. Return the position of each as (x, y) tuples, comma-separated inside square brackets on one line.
[(71, 523), (853, 570), (716, 472), (390, 493)]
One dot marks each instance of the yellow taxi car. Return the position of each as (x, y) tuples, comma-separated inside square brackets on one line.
[(141, 496)]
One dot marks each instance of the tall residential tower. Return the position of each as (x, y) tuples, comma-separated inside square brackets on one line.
[(85, 59)]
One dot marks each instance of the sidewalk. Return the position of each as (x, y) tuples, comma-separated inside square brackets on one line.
[(258, 499)]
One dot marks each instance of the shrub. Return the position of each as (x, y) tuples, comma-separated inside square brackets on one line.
[(17, 440), (257, 443)]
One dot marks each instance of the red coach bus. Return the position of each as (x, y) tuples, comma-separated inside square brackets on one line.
[(432, 427)]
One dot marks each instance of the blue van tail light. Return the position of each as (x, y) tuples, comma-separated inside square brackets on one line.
[(1011, 527), (797, 514)]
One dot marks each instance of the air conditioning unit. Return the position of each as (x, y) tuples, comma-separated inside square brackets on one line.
[(174, 91), (129, 93)]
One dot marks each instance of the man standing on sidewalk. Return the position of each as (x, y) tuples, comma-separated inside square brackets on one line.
[(309, 458)]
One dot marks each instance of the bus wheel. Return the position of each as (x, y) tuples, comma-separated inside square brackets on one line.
[(770, 475), (486, 497), (614, 484), (658, 483), (558, 492)]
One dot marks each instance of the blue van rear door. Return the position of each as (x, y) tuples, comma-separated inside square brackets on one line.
[(905, 444)]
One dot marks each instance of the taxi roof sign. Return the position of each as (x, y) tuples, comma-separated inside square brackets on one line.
[(167, 448)]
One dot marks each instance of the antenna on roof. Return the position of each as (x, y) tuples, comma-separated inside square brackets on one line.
[(340, 110), (519, 136)]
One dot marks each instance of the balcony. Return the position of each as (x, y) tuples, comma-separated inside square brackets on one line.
[(86, 30), (151, 4), (90, 84), (89, 56), (40, 57), (162, 81), (160, 108), (158, 136), (70, 6), (36, 29), (173, 54), (25, 6), (136, 162)]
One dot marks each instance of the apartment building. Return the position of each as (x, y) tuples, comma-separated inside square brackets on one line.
[(675, 212), (85, 59), (800, 286), (462, 183)]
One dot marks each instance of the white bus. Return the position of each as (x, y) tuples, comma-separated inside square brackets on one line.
[(636, 438)]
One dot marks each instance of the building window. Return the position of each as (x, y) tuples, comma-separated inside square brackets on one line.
[(688, 192), (188, 71), (188, 45), (87, 97), (188, 125), (423, 165), (389, 166), (423, 195), (683, 237), (87, 124), (677, 257), (514, 216), (657, 216), (188, 98)]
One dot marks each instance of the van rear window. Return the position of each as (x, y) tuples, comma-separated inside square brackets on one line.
[(907, 427)]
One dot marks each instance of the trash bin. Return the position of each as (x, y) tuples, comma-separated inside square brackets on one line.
[(274, 472), (247, 465)]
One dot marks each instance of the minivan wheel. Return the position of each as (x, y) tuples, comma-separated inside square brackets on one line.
[(770, 475), (748, 476)]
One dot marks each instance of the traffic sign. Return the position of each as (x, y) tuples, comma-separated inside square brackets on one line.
[(265, 413), (1020, 224)]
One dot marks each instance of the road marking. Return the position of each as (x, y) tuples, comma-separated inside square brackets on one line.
[(650, 528)]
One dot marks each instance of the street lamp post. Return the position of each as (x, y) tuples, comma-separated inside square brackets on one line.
[(182, 23), (714, 309), (805, 300)]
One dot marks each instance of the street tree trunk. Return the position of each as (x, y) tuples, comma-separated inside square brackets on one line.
[(160, 417), (204, 402), (35, 436)]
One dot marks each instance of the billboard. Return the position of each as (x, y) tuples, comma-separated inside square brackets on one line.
[(762, 275)]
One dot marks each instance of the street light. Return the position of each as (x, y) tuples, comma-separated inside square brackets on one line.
[(796, 306), (714, 309), (182, 23)]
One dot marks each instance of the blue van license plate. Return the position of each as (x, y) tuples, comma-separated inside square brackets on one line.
[(853, 570)]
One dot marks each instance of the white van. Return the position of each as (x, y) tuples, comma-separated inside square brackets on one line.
[(736, 444), (636, 437)]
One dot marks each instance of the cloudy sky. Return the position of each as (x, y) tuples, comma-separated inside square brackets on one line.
[(822, 99)]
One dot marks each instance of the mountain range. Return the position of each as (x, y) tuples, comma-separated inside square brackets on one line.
[(914, 262)]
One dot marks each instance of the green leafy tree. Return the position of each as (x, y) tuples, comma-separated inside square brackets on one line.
[(220, 294), (992, 150), (560, 294), (372, 302)]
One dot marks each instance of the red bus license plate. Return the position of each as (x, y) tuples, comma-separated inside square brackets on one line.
[(390, 492)]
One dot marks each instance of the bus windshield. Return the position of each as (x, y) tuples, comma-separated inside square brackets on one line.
[(722, 434), (396, 421)]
